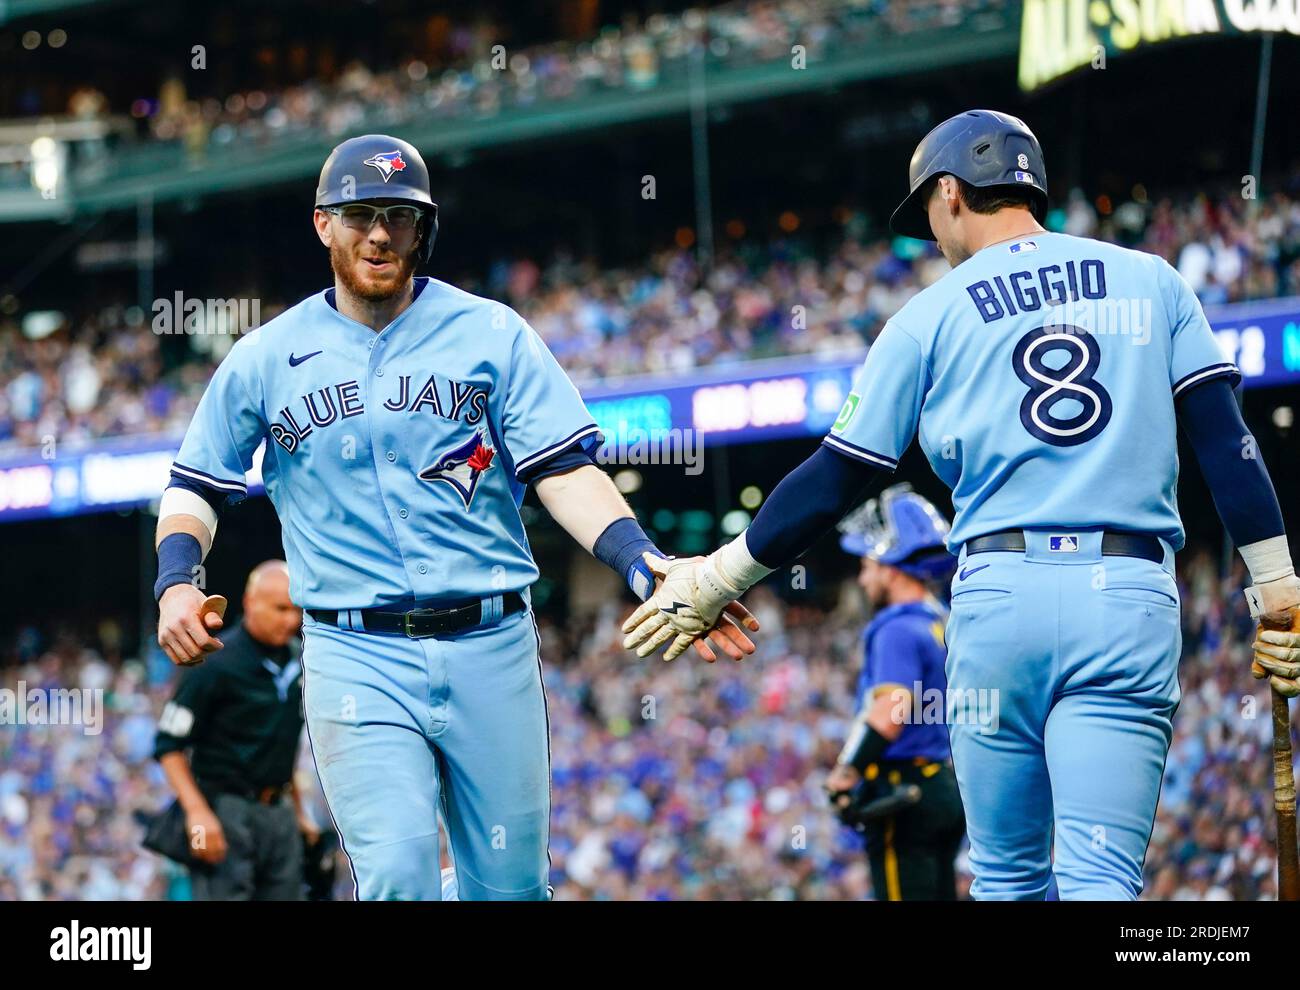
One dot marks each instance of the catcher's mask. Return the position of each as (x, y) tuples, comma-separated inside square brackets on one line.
[(901, 529)]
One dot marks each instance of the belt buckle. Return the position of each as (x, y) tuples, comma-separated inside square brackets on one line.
[(421, 613)]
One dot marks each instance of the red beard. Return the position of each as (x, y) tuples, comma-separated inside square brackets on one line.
[(370, 286)]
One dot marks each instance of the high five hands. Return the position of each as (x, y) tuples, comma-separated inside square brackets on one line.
[(690, 606)]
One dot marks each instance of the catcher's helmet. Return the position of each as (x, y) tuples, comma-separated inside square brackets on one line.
[(901, 529), (982, 147), (376, 166)]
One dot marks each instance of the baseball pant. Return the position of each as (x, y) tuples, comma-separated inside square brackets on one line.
[(1063, 681), (263, 853), (403, 729), (913, 853)]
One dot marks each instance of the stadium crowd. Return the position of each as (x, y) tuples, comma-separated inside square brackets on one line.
[(103, 374), (472, 71), (680, 781)]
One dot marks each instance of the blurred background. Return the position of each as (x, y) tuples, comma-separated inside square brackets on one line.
[(689, 203)]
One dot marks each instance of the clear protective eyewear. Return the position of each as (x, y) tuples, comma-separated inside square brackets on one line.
[(362, 216)]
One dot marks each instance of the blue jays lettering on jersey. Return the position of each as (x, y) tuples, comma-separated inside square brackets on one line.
[(394, 459), (1040, 377), (903, 646)]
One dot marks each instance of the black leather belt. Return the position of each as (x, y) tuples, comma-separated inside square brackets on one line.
[(419, 623), (1112, 544)]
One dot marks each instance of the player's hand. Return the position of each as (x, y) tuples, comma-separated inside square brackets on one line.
[(727, 635), (840, 782), (684, 611), (186, 619), (1277, 657), (207, 840), (1276, 604), (309, 830)]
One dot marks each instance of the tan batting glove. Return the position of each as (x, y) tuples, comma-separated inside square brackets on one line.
[(1277, 650), (685, 607)]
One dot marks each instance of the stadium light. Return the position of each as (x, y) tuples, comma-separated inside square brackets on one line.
[(734, 522), (628, 481), (47, 169)]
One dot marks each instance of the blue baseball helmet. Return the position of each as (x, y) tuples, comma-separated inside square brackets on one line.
[(901, 529), (982, 147), (377, 166)]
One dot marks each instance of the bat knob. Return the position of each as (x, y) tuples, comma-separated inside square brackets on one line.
[(214, 603)]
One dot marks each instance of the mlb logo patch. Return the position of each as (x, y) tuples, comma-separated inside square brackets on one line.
[(1063, 544), (1025, 177), (1024, 247)]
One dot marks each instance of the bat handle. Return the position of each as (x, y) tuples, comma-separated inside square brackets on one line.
[(1284, 799)]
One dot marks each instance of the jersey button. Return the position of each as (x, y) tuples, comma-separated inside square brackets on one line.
[(391, 456), (423, 569), (403, 513), (379, 372)]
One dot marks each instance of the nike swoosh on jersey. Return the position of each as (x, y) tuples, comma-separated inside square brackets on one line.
[(295, 361), (968, 571)]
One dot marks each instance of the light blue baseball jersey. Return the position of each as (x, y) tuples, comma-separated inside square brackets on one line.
[(393, 459), (1040, 375)]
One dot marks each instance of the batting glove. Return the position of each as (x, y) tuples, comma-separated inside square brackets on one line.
[(685, 607), (1277, 651)]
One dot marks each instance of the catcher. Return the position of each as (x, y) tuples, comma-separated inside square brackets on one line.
[(893, 781)]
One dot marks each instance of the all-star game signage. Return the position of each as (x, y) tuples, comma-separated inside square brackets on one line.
[(1060, 36)]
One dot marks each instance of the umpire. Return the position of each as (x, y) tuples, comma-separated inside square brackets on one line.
[(894, 781), (240, 715)]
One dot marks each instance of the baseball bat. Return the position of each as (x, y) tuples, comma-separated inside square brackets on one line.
[(1288, 859), (213, 603)]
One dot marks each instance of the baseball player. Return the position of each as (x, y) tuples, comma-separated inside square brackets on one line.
[(1053, 420), (402, 419), (893, 780)]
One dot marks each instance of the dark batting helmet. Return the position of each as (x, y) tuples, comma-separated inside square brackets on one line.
[(376, 166), (982, 147)]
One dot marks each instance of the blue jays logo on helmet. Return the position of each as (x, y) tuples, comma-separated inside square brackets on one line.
[(389, 163), (462, 466), (901, 529)]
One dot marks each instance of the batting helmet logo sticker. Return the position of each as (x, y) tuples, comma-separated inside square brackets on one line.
[(389, 163), (462, 466), (1022, 160)]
